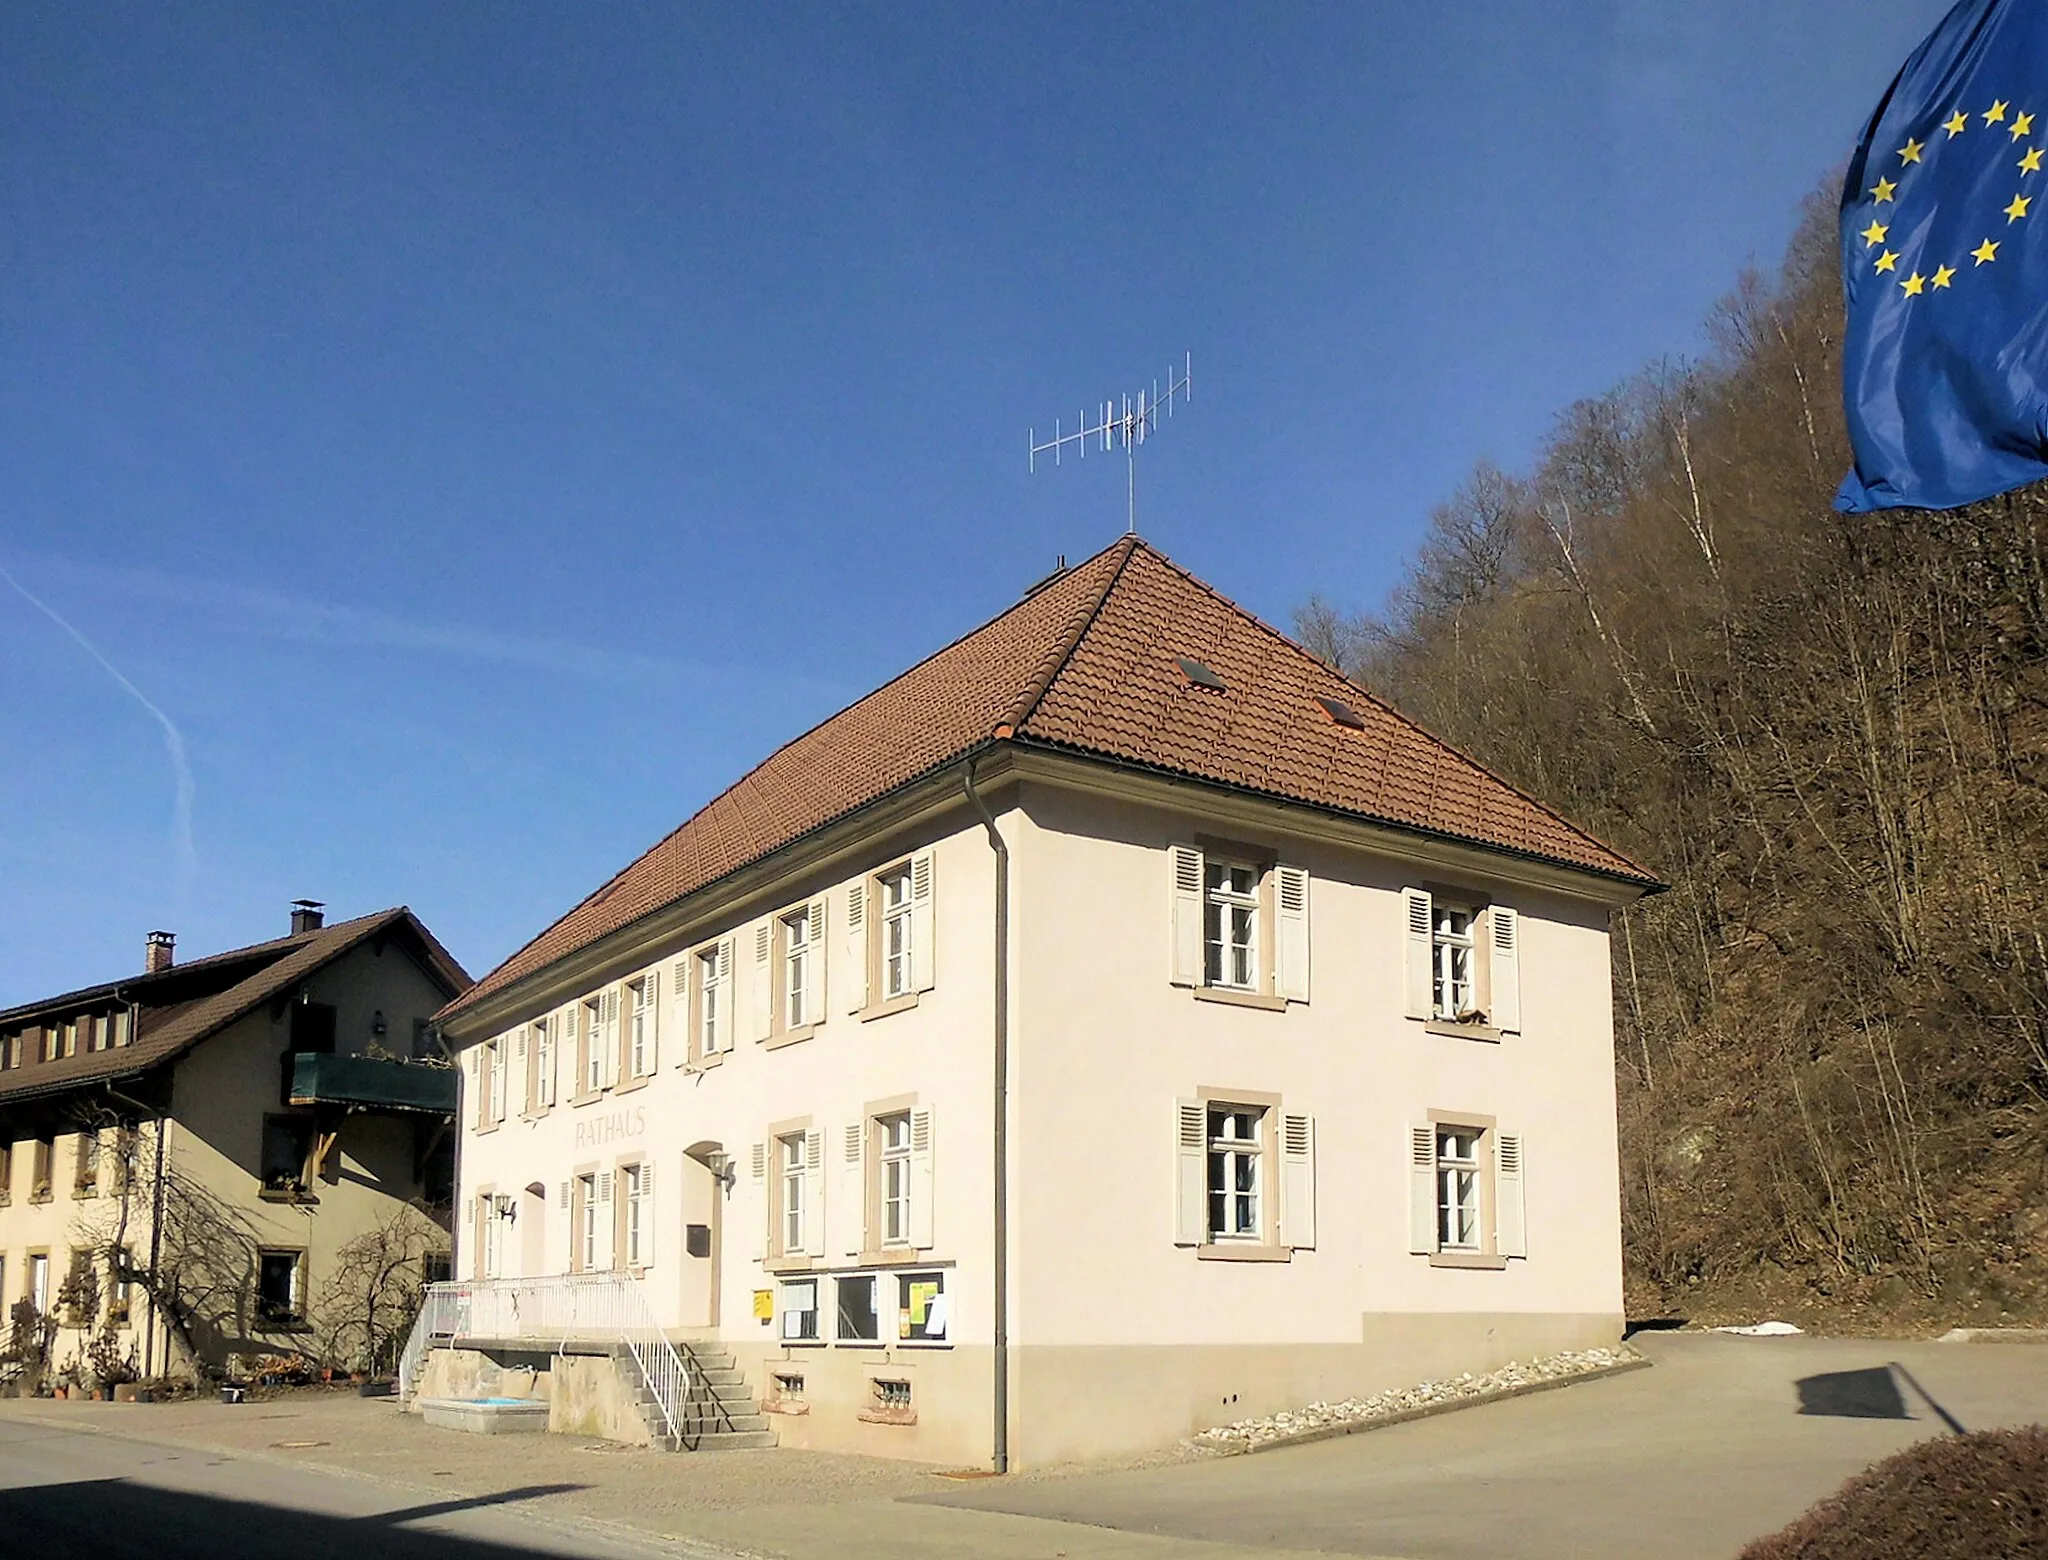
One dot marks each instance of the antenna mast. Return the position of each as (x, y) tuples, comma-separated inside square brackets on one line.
[(1127, 429)]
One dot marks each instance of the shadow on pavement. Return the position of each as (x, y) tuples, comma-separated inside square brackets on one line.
[(1871, 1393), (119, 1519)]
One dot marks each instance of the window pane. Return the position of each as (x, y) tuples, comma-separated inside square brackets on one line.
[(921, 1307), (858, 1322)]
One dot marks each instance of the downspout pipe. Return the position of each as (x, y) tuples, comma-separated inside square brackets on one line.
[(1001, 1113)]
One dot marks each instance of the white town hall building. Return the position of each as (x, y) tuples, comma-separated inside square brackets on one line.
[(1116, 1025)]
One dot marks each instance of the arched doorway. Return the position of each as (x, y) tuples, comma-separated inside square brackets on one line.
[(533, 1231), (705, 1167)]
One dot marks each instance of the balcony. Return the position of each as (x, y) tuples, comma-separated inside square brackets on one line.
[(319, 1078)]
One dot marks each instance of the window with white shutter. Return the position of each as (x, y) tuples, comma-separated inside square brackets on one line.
[(856, 964), (761, 984), (1511, 1231), (1298, 1181), (922, 950), (923, 1185), (1504, 970), (1238, 925), (1419, 966), (1190, 1173)]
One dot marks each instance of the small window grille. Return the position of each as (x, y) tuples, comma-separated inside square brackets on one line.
[(891, 1394), (789, 1386)]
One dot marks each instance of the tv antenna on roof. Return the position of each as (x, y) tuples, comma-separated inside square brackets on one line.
[(1127, 429)]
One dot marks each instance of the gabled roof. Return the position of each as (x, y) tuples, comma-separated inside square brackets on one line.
[(1088, 663), (179, 1006)]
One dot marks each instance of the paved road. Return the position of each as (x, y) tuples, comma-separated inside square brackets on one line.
[(1717, 1445), (70, 1492), (1726, 1439)]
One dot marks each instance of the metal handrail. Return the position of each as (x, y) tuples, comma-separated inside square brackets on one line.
[(568, 1307)]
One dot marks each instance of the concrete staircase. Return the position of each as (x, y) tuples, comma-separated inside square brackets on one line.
[(721, 1413)]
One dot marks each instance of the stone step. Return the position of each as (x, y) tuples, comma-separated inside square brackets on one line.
[(744, 1441)]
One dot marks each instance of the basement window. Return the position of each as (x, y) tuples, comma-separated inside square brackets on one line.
[(1198, 674), (889, 1402)]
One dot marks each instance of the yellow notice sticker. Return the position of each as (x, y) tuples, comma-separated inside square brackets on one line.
[(921, 1296), (764, 1305)]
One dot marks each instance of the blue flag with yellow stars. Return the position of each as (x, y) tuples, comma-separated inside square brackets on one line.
[(1945, 267)]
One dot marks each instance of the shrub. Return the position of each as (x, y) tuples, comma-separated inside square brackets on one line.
[(1973, 1497)]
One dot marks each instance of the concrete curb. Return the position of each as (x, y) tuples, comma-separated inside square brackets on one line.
[(1426, 1411), (1994, 1335)]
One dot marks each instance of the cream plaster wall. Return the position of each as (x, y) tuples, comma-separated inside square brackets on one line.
[(1107, 1045), (937, 1050), (1120, 1338)]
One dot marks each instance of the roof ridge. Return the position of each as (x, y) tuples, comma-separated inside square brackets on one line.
[(1077, 630), (1390, 709)]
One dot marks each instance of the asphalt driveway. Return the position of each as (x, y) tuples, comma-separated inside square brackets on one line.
[(1727, 1438)]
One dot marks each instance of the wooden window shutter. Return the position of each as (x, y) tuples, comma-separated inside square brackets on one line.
[(608, 1034), (648, 1222), (1504, 969), (922, 1182), (922, 965), (814, 1192), (1510, 1216), (650, 995), (765, 1215), (814, 977), (1184, 925), (1290, 973), (855, 970), (519, 1044), (849, 1196), (1298, 1181), (761, 988), (679, 1007), (1421, 1190), (1190, 1173), (604, 1186), (724, 1025), (1419, 980)]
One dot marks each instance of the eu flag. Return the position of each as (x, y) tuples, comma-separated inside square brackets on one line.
[(1945, 266)]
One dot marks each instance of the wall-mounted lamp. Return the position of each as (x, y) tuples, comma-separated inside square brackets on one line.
[(719, 1163), (505, 1209), (377, 1025)]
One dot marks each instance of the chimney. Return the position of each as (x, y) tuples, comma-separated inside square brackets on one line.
[(306, 916), (158, 952)]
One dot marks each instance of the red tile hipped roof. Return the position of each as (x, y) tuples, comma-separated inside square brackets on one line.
[(1089, 663)]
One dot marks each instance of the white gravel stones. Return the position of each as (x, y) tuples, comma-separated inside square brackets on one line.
[(1247, 1434)]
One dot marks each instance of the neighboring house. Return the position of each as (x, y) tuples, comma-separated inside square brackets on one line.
[(1116, 1025), (213, 1135)]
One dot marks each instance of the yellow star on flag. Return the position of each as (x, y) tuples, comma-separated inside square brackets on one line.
[(1957, 125), (1985, 251), (1995, 113), (1913, 284), (1887, 261), (1874, 234), (1910, 152), (2022, 126), (2017, 209), (2031, 163), (1882, 190), (1943, 275)]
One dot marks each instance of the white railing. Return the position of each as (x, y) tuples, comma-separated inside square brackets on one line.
[(608, 1308)]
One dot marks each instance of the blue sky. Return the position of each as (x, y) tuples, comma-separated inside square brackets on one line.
[(482, 431)]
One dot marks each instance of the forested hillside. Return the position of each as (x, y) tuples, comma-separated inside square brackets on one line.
[(1829, 735)]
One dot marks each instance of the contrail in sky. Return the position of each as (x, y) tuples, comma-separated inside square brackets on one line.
[(173, 738)]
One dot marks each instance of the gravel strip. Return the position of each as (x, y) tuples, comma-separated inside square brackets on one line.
[(1318, 1420)]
